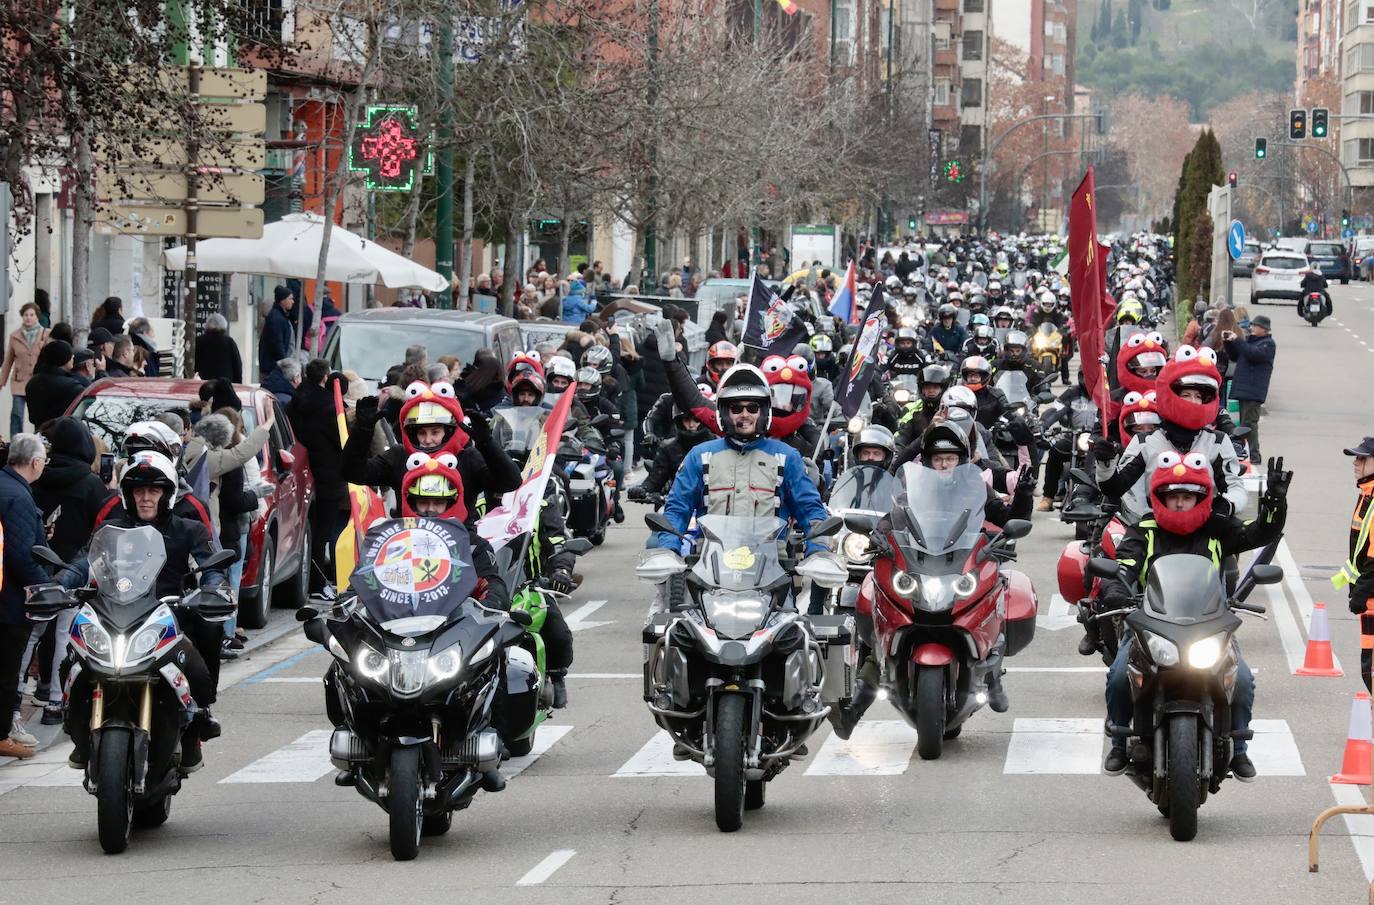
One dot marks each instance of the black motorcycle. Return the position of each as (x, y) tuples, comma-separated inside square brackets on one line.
[(130, 645), (427, 683), (1182, 671), (734, 674)]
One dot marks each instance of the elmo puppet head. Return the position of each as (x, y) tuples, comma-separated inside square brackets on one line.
[(1194, 372), (429, 481), (431, 419), (1140, 353), (1174, 478), (1137, 411), (790, 385)]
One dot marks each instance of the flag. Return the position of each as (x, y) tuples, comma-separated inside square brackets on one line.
[(1088, 291), (788, 7), (519, 510), (770, 323), (845, 305), (863, 361), (365, 507)]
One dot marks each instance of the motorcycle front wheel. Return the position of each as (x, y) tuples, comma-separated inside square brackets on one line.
[(731, 718), (114, 790), (930, 712), (404, 804), (1184, 779)]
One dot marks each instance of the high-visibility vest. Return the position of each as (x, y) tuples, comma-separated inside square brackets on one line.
[(1350, 571)]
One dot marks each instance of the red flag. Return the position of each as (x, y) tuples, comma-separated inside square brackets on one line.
[(1092, 308)]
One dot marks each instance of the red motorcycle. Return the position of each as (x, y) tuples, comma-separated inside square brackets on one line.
[(945, 612)]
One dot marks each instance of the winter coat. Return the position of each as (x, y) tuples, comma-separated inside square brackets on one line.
[(23, 525), (217, 355), (68, 481), (113, 322), (316, 425), (1254, 358), (577, 307), (50, 391), (20, 359), (277, 340)]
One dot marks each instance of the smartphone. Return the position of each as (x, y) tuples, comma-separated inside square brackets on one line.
[(53, 517), (107, 461)]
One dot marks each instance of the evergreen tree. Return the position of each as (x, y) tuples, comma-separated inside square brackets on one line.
[(1121, 31), (1202, 170)]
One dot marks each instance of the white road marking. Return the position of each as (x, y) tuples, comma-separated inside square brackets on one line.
[(1274, 750), (1058, 746), (1361, 826), (577, 620), (545, 869), (291, 680), (877, 748), (1060, 614), (656, 759), (1289, 634), (544, 739), (1034, 669), (304, 760), (605, 675)]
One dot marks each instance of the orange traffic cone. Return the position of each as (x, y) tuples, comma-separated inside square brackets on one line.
[(1355, 765), (1317, 661)]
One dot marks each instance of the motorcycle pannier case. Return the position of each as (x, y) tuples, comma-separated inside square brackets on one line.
[(835, 635), (1021, 610)]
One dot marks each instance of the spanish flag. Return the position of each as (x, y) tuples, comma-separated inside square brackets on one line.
[(788, 7), (365, 507)]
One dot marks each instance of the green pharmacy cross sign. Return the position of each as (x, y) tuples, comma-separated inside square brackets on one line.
[(954, 171), (389, 149)]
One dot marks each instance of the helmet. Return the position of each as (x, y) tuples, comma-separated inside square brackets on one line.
[(907, 333), (147, 468), (723, 351), (588, 384), (983, 333), (1003, 312), (434, 478), (934, 376), (979, 320), (1129, 308), (1048, 301), (976, 364), (803, 351), (1015, 340), (949, 436), (822, 343), (530, 381), (560, 366), (948, 310), (1137, 409), (744, 383), (521, 362), (598, 357), (1190, 369), (1189, 472), (910, 291), (892, 284), (875, 436), (960, 397), (431, 405), (154, 436)]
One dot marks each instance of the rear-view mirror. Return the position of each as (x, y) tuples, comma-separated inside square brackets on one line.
[(1101, 567), (1265, 573), (657, 521)]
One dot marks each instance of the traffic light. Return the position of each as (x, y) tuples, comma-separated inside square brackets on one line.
[(911, 223), (1345, 219), (1231, 179), (1319, 115), (1297, 124), (1261, 148)]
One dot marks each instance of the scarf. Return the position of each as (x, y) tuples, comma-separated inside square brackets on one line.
[(30, 334)]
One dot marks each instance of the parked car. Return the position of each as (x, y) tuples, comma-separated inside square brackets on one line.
[(1361, 251), (1331, 258), (1278, 275), (1245, 264), (371, 341), (279, 541)]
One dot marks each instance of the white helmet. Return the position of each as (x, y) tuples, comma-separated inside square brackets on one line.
[(561, 366), (147, 468), (960, 397), (154, 436)]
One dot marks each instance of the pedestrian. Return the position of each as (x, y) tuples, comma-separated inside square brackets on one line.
[(53, 387), (1254, 358), (100, 341), (85, 367), (1357, 575), (283, 380), (70, 489), (719, 329), (141, 331), (121, 361), (278, 339), (22, 523), (21, 357), (40, 298), (217, 355), (576, 306), (109, 316), (315, 423)]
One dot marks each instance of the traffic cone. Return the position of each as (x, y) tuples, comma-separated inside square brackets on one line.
[(1317, 661), (1355, 765)]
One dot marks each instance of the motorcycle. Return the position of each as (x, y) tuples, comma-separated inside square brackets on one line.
[(1047, 345), (1020, 404), (127, 640), (863, 489), (1313, 308), (1182, 669), (735, 675), (1097, 518), (585, 472), (945, 613), (429, 689)]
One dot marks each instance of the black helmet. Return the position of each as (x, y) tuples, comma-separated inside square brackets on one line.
[(950, 436)]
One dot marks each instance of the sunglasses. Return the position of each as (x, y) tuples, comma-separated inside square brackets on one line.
[(739, 408)]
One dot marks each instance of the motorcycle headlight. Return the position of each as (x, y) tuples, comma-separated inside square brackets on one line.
[(483, 652), (370, 663), (1204, 654), (96, 638), (901, 396), (408, 670), (1163, 651), (1084, 442), (906, 585), (856, 424), (146, 639), (967, 584), (855, 546), (445, 666)]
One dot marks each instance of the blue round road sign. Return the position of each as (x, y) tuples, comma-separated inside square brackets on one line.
[(1235, 239)]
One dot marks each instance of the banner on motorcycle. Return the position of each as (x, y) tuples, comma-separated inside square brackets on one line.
[(1092, 308), (863, 363), (365, 507), (519, 510), (770, 323)]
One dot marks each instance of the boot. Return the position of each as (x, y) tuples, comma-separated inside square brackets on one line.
[(848, 715), (493, 781), (558, 679), (997, 695), (1115, 763), (1046, 504), (191, 757), (1242, 767), (206, 725), (1087, 645)]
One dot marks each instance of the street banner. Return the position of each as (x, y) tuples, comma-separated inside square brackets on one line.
[(1092, 308), (364, 505), (845, 305), (519, 510), (863, 362), (770, 323)]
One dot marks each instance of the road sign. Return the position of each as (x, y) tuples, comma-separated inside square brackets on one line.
[(158, 220), (1347, 233), (167, 186), (1235, 239)]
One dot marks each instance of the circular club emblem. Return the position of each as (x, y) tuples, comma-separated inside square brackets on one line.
[(408, 642), (414, 561), (123, 585)]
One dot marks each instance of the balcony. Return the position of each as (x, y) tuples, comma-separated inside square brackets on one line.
[(943, 115), (946, 6), (947, 57)]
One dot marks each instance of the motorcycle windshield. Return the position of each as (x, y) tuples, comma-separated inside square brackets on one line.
[(1183, 587), (517, 429), (739, 552), (868, 488), (1014, 386), (414, 567), (125, 562), (939, 512), (1083, 414)]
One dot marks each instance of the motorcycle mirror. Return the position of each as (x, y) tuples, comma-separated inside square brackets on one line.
[(521, 617), (218, 559), (1082, 477), (315, 631), (306, 613), (861, 522), (656, 521), (1016, 528), (47, 555), (578, 546), (1045, 397), (827, 527), (1265, 573), (1102, 567)]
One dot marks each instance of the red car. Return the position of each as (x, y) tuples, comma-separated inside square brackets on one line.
[(279, 541)]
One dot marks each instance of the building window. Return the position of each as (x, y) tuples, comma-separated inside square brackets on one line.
[(973, 45), (1057, 63), (1359, 58), (1359, 102), (970, 139), (973, 6), (942, 94), (842, 32), (971, 93), (1359, 151)]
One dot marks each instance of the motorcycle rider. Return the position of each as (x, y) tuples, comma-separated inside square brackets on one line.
[(983, 341), (906, 356), (827, 365), (590, 395), (918, 414), (948, 334), (1315, 281), (147, 487), (1184, 521), (688, 435), (154, 436), (976, 374), (720, 358)]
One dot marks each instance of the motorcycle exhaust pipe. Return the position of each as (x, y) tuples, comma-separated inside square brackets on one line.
[(346, 748)]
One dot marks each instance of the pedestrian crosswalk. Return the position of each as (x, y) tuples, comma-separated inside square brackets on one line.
[(1054, 746)]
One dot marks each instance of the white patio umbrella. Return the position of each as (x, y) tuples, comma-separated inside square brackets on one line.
[(290, 247)]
